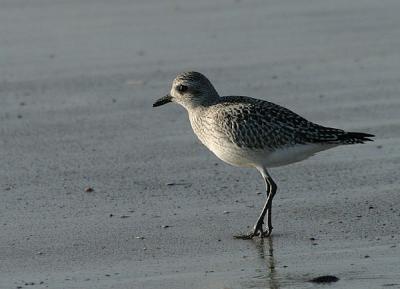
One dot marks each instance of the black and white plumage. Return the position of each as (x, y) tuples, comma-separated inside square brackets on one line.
[(259, 124), (249, 132)]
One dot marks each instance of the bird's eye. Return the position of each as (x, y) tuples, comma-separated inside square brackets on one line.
[(181, 88)]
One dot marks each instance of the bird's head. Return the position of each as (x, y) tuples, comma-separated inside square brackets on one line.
[(190, 89)]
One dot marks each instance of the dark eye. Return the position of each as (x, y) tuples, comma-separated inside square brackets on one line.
[(181, 88)]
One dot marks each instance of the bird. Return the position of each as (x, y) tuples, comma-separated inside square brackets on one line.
[(248, 132)]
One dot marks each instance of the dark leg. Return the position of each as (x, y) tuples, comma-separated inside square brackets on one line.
[(271, 186), (258, 227)]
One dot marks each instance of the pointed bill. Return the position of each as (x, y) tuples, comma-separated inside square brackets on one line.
[(162, 100)]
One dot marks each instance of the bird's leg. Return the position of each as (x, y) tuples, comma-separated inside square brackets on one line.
[(258, 227), (271, 191)]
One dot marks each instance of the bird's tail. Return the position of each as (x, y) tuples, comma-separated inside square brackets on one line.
[(354, 137)]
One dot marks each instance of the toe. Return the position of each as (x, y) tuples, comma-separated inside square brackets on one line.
[(248, 236)]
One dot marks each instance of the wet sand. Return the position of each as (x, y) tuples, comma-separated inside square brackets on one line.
[(77, 82)]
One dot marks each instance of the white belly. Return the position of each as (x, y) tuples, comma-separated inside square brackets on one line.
[(232, 155), (243, 157), (293, 154)]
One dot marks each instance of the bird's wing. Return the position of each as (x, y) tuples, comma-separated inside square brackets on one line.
[(259, 124)]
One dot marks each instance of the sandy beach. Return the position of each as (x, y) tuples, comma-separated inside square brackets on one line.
[(77, 83)]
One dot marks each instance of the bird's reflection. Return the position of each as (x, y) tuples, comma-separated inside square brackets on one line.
[(266, 252)]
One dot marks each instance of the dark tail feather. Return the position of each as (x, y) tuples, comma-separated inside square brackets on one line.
[(354, 137)]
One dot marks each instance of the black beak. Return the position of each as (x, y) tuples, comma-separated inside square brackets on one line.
[(163, 100)]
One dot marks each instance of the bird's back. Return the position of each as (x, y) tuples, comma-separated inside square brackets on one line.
[(258, 124)]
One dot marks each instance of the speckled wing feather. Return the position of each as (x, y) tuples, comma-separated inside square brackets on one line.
[(258, 124)]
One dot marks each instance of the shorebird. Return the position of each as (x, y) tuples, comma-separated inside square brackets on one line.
[(248, 132)]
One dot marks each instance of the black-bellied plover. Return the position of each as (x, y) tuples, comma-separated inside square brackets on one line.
[(249, 132)]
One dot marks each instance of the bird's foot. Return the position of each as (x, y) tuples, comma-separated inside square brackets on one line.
[(266, 233), (257, 231), (247, 236)]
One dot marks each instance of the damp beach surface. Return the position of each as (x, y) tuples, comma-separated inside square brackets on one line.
[(100, 190)]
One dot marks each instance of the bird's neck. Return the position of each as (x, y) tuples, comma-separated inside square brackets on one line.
[(199, 105)]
